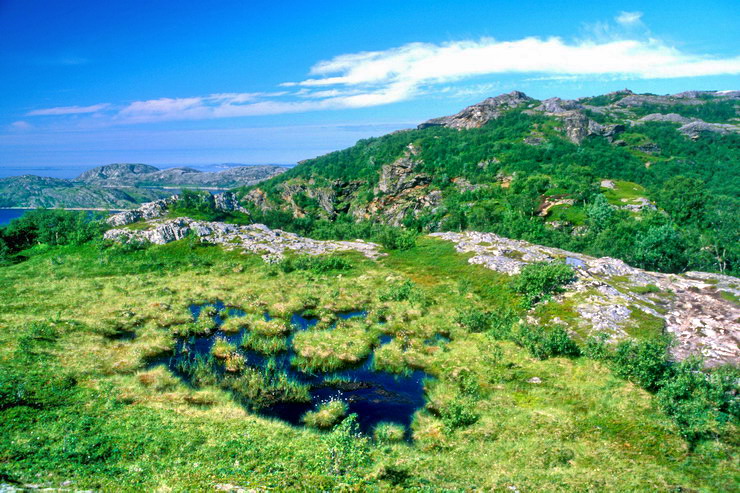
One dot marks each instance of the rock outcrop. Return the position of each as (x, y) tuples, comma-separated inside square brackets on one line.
[(253, 238), (614, 298), (694, 130), (399, 175), (477, 115), (226, 202)]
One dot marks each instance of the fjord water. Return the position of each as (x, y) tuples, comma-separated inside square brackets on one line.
[(7, 215), (375, 396)]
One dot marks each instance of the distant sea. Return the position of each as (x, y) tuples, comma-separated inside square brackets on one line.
[(7, 215)]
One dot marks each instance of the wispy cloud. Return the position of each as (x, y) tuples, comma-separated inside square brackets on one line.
[(21, 126), (629, 18), (372, 78), (69, 110)]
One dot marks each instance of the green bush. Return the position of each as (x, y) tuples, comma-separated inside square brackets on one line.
[(475, 320), (546, 343), (596, 347), (699, 403), (537, 281), (642, 362), (318, 264), (396, 238), (459, 413), (401, 291), (349, 451)]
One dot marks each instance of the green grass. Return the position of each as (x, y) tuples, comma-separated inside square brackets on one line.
[(575, 215), (624, 192), (94, 413)]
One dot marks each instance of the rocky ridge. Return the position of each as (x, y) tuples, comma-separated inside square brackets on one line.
[(613, 298), (253, 238), (577, 125)]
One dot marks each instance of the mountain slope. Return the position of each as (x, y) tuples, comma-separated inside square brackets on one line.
[(30, 191), (600, 175)]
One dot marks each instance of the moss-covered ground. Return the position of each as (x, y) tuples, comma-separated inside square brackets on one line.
[(96, 413)]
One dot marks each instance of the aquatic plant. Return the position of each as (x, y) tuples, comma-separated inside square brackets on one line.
[(222, 348), (264, 344)]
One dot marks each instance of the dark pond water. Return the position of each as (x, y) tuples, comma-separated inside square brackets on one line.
[(375, 396)]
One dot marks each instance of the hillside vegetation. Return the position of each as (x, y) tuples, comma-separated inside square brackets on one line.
[(539, 171)]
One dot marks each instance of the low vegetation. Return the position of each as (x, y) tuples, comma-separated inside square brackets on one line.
[(508, 404)]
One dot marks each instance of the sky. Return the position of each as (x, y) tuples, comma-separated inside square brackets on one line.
[(86, 83)]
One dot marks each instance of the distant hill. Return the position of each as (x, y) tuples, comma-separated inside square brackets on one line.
[(122, 185), (124, 174), (36, 191)]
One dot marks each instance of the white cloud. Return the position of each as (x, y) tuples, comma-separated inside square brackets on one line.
[(21, 125), (629, 18), (372, 78), (68, 110)]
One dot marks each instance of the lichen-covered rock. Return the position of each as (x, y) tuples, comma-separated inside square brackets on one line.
[(477, 115), (557, 105), (253, 238), (670, 117), (226, 201), (399, 175), (147, 211), (614, 298), (694, 130)]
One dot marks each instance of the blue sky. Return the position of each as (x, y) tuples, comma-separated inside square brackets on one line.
[(88, 83)]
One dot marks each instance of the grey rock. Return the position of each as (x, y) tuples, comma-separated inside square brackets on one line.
[(669, 117), (694, 130), (399, 175), (606, 301), (477, 115), (557, 105), (252, 238)]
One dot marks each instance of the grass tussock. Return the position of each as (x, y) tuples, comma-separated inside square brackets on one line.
[(327, 415)]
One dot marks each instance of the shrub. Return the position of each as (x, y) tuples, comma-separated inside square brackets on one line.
[(538, 281), (475, 320), (349, 451), (459, 413), (596, 347), (402, 291), (642, 362), (396, 238), (698, 402), (501, 323), (543, 343), (317, 264)]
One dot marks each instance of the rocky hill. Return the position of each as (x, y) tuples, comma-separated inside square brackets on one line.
[(543, 171), (123, 174), (122, 185), (31, 192)]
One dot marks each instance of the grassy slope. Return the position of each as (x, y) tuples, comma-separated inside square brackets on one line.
[(127, 428)]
